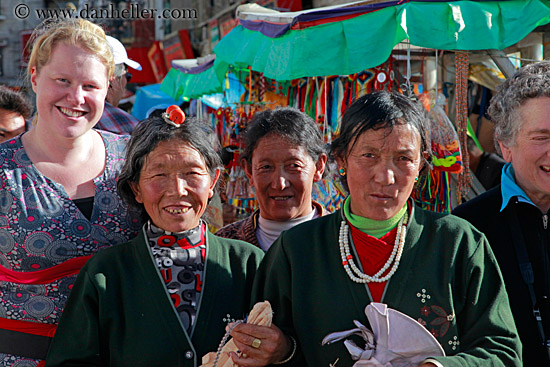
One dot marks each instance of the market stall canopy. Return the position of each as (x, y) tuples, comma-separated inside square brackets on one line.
[(150, 96), (193, 78), (349, 38), (233, 91)]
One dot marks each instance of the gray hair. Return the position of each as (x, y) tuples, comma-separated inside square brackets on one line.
[(120, 70), (152, 131), (531, 81)]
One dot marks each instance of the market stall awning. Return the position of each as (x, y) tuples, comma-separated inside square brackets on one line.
[(349, 38), (193, 78), (148, 97)]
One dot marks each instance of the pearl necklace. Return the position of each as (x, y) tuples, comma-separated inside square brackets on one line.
[(354, 272)]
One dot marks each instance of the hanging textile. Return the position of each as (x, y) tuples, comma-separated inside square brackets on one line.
[(434, 191), (461, 121)]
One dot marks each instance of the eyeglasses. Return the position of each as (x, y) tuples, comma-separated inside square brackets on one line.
[(128, 76)]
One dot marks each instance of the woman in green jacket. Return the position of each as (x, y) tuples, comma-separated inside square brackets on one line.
[(319, 276), (165, 298)]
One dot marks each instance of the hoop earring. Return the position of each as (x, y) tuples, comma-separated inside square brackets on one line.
[(342, 171)]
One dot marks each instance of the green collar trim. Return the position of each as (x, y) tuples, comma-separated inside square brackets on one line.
[(375, 228)]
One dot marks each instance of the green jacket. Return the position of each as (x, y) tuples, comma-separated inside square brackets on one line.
[(447, 279), (119, 312)]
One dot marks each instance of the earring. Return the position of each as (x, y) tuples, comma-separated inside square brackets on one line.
[(416, 179), (342, 171)]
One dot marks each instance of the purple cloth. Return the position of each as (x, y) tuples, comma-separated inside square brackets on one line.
[(267, 29), (331, 13), (273, 30), (197, 69)]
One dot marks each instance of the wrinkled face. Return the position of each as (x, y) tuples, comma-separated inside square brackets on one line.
[(70, 91), (282, 175), (381, 170), (11, 124), (530, 154), (174, 186)]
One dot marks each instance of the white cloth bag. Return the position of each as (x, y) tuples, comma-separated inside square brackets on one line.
[(396, 340)]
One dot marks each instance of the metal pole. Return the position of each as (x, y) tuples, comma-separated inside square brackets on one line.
[(503, 63)]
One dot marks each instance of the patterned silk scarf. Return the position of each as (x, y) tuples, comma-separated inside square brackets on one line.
[(180, 258)]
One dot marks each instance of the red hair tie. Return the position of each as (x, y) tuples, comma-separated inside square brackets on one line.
[(174, 116)]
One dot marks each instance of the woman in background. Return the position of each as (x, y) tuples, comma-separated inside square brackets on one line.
[(283, 156)]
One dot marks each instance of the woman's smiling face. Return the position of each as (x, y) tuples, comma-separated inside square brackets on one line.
[(174, 186), (70, 90), (282, 174)]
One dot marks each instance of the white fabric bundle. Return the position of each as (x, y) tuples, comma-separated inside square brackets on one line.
[(396, 340)]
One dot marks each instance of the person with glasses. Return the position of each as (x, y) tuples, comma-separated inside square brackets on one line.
[(115, 119)]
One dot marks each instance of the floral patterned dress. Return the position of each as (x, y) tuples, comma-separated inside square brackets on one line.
[(45, 239)]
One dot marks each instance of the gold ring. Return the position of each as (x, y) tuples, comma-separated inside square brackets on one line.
[(256, 343)]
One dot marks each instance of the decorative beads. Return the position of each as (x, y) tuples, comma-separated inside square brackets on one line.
[(224, 340), (228, 319), (423, 296), (354, 272), (454, 343)]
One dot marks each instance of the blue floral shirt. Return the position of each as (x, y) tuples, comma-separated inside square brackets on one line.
[(41, 227)]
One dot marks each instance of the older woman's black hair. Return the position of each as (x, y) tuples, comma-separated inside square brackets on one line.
[(379, 110), (289, 123), (148, 135)]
